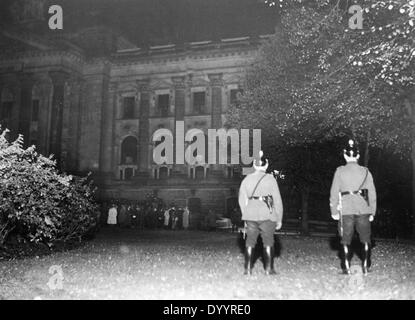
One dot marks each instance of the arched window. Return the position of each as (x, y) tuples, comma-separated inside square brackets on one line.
[(129, 151)]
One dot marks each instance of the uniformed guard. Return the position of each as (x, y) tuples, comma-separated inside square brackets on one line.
[(261, 207), (353, 204)]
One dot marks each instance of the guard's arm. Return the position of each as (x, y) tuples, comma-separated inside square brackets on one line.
[(372, 194), (334, 195), (243, 198)]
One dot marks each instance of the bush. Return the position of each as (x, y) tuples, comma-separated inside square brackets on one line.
[(39, 203)]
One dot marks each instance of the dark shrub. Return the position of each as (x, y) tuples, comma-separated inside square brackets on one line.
[(37, 201)]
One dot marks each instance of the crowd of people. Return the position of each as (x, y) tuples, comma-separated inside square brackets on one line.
[(155, 214), (144, 215)]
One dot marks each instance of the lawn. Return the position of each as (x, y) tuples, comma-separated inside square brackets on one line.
[(205, 265)]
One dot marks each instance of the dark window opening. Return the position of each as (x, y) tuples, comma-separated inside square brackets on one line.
[(129, 151), (163, 104), (128, 107), (6, 110), (35, 110), (163, 173), (199, 102), (235, 96), (129, 173), (199, 173)]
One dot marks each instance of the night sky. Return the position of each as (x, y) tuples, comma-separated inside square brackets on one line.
[(166, 21)]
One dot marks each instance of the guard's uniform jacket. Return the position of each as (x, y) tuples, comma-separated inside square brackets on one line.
[(349, 179), (255, 209)]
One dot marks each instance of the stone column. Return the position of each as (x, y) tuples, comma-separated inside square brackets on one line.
[(25, 109), (179, 107), (413, 170), (1, 103), (112, 101), (216, 86), (2, 124), (144, 125), (58, 98), (67, 115), (72, 124), (179, 97), (107, 137), (14, 125), (410, 105), (45, 87)]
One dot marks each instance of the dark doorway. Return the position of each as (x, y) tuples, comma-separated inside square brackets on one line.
[(163, 173), (129, 173), (195, 208), (129, 151)]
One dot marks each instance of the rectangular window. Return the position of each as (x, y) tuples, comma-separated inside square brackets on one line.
[(35, 110), (6, 110), (199, 102), (128, 107), (163, 102), (234, 97)]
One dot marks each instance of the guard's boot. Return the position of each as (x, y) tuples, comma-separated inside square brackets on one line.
[(269, 260), (248, 260), (346, 259), (366, 257)]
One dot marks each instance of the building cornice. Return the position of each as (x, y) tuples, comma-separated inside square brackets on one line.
[(76, 57), (243, 46)]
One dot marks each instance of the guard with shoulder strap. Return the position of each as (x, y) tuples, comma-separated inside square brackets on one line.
[(261, 207), (353, 203)]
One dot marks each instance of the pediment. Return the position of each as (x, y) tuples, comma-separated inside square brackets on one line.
[(128, 87), (160, 84), (232, 79), (200, 82)]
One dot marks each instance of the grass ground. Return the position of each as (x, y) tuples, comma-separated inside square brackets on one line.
[(204, 265)]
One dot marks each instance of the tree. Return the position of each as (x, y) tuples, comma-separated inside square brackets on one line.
[(38, 202), (316, 81)]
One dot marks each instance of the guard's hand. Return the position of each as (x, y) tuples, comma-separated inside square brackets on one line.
[(335, 217), (339, 207), (279, 225), (371, 218)]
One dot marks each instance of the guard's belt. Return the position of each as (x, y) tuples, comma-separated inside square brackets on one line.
[(269, 200), (262, 198), (361, 192)]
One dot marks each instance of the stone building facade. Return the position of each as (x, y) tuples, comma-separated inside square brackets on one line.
[(99, 114)]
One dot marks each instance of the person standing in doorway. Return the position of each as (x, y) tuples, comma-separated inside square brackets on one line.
[(112, 215), (166, 219), (186, 216)]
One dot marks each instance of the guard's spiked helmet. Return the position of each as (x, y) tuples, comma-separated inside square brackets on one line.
[(351, 151), (261, 163)]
